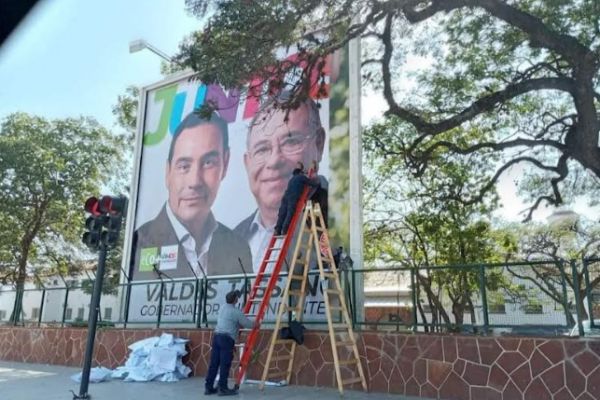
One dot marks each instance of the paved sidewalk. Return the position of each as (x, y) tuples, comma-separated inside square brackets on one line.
[(44, 382)]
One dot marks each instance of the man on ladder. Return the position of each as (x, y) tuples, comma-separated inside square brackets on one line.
[(223, 344), (312, 226), (291, 197)]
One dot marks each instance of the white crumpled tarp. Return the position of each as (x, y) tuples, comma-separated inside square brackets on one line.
[(155, 359)]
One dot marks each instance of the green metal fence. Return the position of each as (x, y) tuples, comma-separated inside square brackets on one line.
[(529, 298), (69, 305), (533, 298)]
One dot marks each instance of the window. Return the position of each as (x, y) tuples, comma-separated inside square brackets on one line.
[(2, 315), (107, 314), (533, 309), (80, 313), (35, 313), (69, 314), (497, 308)]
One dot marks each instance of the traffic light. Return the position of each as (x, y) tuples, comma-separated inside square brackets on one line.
[(93, 226), (112, 223), (104, 223), (116, 206)]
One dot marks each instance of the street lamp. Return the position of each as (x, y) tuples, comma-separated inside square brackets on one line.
[(141, 44)]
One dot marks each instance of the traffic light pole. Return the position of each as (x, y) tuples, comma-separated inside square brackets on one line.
[(92, 324)]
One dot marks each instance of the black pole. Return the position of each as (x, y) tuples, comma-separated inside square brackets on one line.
[(127, 301), (92, 323), (205, 302), (203, 298), (245, 282)]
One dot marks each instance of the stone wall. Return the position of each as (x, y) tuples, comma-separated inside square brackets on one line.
[(447, 367)]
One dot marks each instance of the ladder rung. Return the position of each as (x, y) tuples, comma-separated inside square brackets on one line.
[(300, 261), (351, 381), (271, 261), (304, 246), (277, 375), (298, 277), (280, 237), (345, 343), (295, 292), (255, 315), (285, 341), (327, 260), (332, 291), (245, 329), (275, 248), (336, 308), (329, 275), (255, 300), (281, 358), (286, 308), (348, 362)]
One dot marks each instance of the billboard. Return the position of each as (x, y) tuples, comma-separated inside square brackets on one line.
[(207, 191)]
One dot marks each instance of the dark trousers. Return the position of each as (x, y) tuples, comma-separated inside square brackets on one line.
[(286, 213), (221, 356), (321, 196)]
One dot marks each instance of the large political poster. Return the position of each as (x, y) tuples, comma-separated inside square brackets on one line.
[(208, 190)]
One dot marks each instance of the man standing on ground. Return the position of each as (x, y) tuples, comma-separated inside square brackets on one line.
[(223, 344)]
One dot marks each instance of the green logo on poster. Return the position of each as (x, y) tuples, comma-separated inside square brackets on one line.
[(148, 257)]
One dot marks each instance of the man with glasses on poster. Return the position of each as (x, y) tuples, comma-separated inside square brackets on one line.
[(277, 140)]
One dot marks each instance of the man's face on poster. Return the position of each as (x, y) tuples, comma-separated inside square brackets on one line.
[(195, 172), (275, 146)]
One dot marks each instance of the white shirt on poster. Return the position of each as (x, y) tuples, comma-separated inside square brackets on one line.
[(259, 242), (189, 243)]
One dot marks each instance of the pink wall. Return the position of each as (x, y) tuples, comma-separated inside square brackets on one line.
[(465, 368)]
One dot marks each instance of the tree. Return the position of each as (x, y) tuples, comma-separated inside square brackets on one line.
[(558, 244), (522, 75), (47, 170), (125, 111), (410, 223)]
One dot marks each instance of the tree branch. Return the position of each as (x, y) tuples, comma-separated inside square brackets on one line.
[(482, 105), (491, 145), (539, 33), (563, 170), (494, 180)]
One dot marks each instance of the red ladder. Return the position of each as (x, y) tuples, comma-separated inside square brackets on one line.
[(268, 290)]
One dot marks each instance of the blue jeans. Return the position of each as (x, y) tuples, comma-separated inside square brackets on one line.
[(221, 356)]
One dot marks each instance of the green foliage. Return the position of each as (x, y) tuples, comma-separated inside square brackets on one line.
[(420, 226), (558, 244), (504, 83), (47, 170), (126, 110)]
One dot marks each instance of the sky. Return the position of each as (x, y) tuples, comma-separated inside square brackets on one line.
[(71, 58)]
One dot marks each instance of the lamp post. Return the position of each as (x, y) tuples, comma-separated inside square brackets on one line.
[(141, 44)]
